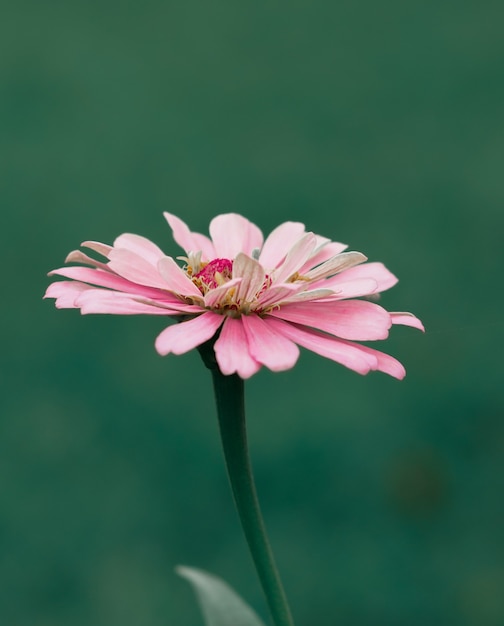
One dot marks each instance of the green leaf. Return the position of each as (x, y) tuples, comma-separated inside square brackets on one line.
[(220, 605)]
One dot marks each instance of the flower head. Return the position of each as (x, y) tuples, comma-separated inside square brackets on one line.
[(264, 297)]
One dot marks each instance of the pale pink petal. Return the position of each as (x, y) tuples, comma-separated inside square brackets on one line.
[(278, 242), (232, 350), (176, 279), (96, 246), (141, 246), (252, 274), (224, 294), (232, 233), (102, 278), (77, 256), (321, 242), (65, 292), (376, 271), (336, 264), (295, 258), (187, 335), (323, 253), (407, 319), (189, 241), (116, 303), (134, 268), (325, 345), (267, 346), (348, 319)]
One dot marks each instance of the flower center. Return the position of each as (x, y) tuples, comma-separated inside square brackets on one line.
[(214, 274)]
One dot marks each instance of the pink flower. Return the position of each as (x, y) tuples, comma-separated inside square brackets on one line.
[(266, 297)]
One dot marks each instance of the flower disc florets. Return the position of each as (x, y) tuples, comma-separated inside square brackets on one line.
[(266, 296), (213, 274)]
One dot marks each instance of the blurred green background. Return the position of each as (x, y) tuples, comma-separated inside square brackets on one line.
[(377, 124)]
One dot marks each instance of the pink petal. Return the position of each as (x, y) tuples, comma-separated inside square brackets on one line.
[(232, 350), (278, 242), (65, 292), (252, 274), (232, 233), (295, 258), (312, 294), (77, 256), (407, 319), (335, 264), (102, 278), (267, 346), (96, 246), (187, 335), (189, 241), (173, 306), (330, 347), (175, 279), (277, 293), (116, 303), (352, 288), (141, 246), (376, 271), (134, 268), (323, 253), (348, 319), (359, 358), (386, 363)]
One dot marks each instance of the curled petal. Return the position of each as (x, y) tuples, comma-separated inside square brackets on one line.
[(77, 256), (267, 346), (407, 319), (96, 246), (232, 233), (232, 350), (187, 335), (336, 264)]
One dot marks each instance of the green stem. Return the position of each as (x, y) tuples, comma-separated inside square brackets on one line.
[(230, 400)]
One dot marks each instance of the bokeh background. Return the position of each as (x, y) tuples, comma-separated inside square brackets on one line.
[(376, 124)]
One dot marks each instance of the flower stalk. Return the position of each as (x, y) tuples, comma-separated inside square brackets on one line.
[(230, 401)]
